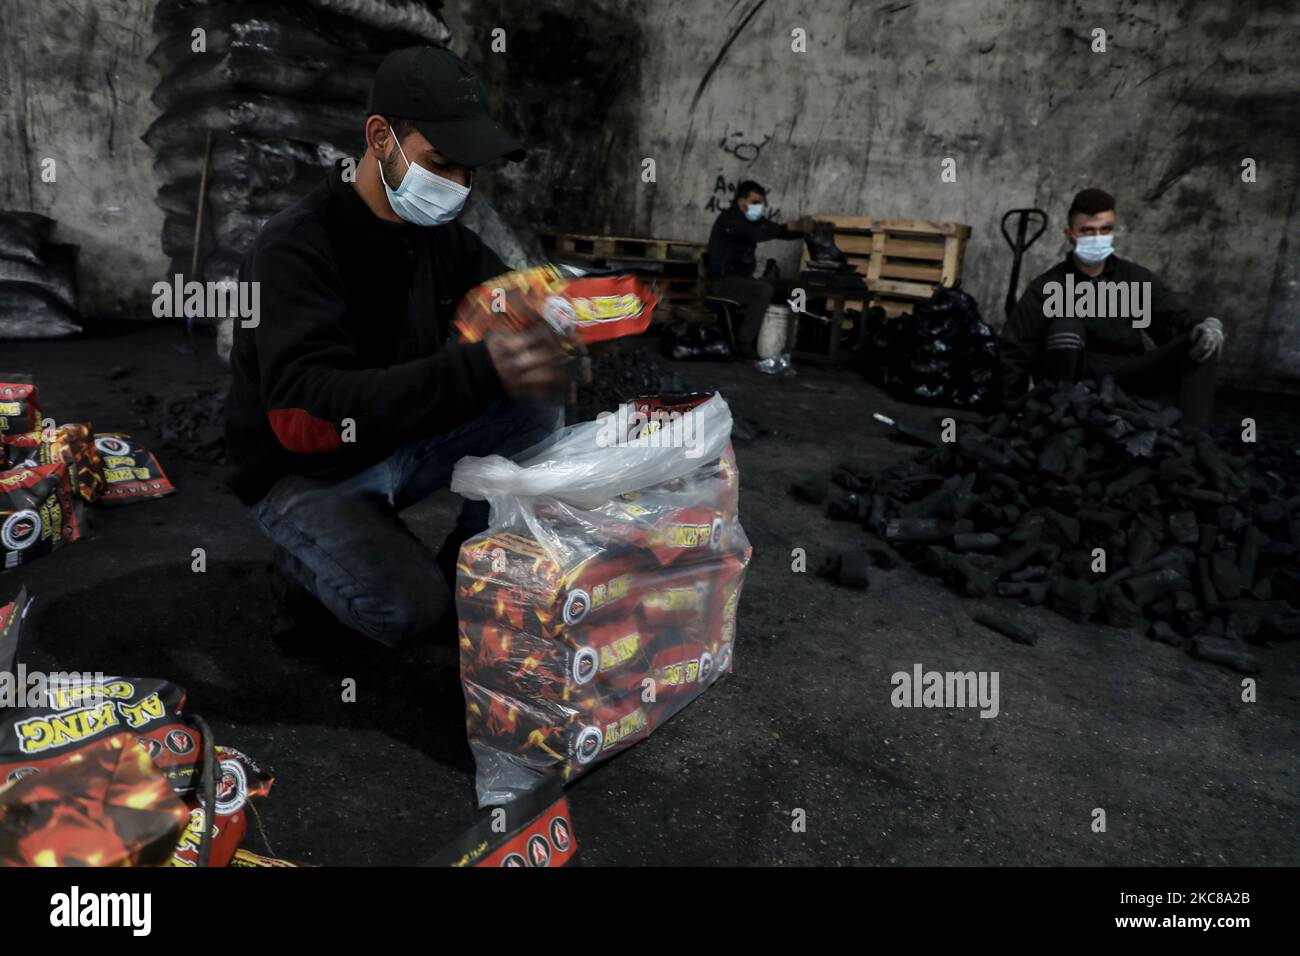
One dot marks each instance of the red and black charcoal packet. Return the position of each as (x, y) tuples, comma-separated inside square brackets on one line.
[(238, 779), (131, 472), (538, 832), (109, 807), (72, 444), (38, 513), (511, 579), (11, 624), (653, 402), (609, 307), (20, 409), (589, 309), (512, 301), (544, 736), (75, 714), (552, 669)]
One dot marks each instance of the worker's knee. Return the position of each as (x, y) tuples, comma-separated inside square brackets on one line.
[(402, 613)]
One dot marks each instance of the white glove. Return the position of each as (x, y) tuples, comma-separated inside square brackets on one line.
[(1207, 339)]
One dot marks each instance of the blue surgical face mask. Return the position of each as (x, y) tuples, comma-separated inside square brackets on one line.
[(754, 211), (1094, 249), (423, 198)]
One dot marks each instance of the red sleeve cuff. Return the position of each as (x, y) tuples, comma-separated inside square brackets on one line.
[(303, 433)]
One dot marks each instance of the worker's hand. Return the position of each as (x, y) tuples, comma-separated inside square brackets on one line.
[(531, 364), (1207, 340), (804, 224)]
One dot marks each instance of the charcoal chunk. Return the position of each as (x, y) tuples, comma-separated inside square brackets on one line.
[(1073, 599), (1183, 527), (918, 530), (881, 554), (1017, 632), (1162, 632), (1118, 610), (1230, 653), (976, 542), (811, 490), (1226, 577)]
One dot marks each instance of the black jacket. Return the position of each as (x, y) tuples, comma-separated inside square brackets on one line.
[(1025, 331), (733, 239), (354, 313)]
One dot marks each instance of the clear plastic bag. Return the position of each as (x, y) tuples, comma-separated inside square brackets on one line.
[(603, 597), (591, 463)]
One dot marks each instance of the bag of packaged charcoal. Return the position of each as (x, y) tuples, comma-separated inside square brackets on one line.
[(602, 598)]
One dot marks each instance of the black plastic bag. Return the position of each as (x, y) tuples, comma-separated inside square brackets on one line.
[(256, 116), (271, 163), (309, 79), (30, 311), (23, 235), (56, 282), (696, 340), (942, 353)]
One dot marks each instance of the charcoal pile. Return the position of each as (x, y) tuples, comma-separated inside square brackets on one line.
[(38, 279), (282, 89), (620, 374), (1099, 506), (942, 354)]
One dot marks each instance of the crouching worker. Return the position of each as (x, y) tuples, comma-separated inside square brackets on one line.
[(1096, 314), (348, 404)]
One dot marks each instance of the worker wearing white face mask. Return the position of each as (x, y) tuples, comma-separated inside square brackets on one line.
[(350, 401), (1063, 328), (423, 198), (731, 257)]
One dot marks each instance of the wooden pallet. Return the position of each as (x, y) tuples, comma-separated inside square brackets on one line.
[(675, 267), (903, 260)]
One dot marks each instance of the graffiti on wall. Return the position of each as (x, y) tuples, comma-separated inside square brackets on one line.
[(742, 146)]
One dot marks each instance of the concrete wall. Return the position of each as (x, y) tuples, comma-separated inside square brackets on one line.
[(1013, 92), (859, 123), (74, 87)]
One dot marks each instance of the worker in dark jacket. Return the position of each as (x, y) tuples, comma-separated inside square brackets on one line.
[(348, 403), (736, 233), (1096, 314)]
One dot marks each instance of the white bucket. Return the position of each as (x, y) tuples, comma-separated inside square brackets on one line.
[(774, 331)]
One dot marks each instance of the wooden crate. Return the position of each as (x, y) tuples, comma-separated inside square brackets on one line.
[(675, 267), (903, 260), (629, 248)]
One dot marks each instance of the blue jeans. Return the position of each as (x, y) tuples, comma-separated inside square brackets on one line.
[(344, 541)]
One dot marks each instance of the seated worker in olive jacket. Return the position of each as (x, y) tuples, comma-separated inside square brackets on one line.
[(1128, 324), (733, 240)]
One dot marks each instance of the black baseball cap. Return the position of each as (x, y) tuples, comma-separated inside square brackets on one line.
[(437, 91)]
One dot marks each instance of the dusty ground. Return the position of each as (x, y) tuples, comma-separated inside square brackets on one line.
[(1090, 718)]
